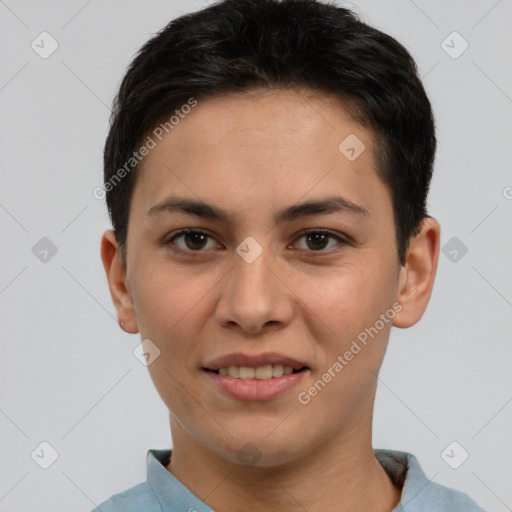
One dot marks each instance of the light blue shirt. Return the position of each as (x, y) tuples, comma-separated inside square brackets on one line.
[(162, 492)]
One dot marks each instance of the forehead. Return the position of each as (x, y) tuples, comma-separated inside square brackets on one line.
[(272, 145), (276, 117)]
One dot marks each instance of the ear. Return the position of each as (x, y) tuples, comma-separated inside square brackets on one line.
[(115, 270), (417, 275)]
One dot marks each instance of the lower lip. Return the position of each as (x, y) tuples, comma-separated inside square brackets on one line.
[(256, 389)]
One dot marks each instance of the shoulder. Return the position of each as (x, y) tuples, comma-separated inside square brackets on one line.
[(139, 497), (439, 498), (419, 494)]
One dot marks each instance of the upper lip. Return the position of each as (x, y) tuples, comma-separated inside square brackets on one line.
[(253, 361)]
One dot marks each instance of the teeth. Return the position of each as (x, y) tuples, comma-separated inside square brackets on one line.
[(277, 370), (233, 372), (246, 373), (261, 372)]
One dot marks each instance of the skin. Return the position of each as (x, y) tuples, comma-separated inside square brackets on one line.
[(253, 154)]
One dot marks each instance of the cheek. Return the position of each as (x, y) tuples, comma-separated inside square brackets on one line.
[(170, 310), (347, 319), (349, 299), (166, 301)]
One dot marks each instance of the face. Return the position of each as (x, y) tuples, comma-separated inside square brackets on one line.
[(288, 259)]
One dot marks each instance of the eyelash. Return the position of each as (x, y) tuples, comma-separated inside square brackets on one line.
[(170, 241)]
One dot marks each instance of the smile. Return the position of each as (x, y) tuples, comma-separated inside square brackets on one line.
[(268, 371)]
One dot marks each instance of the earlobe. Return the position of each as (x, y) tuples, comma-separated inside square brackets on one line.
[(115, 271), (418, 273)]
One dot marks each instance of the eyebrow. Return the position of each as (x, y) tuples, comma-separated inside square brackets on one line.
[(201, 209)]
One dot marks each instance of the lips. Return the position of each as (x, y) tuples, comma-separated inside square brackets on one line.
[(255, 377)]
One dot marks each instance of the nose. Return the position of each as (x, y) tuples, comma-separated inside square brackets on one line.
[(255, 296)]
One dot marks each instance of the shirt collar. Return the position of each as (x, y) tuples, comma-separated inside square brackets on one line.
[(405, 472), (171, 493), (403, 469)]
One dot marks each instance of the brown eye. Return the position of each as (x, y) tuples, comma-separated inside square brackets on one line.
[(319, 240), (192, 241)]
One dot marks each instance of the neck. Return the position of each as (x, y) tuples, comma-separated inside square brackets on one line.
[(345, 473)]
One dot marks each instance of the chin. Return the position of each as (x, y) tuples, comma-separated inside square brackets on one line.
[(258, 449)]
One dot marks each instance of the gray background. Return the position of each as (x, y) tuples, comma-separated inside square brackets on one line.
[(68, 375)]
